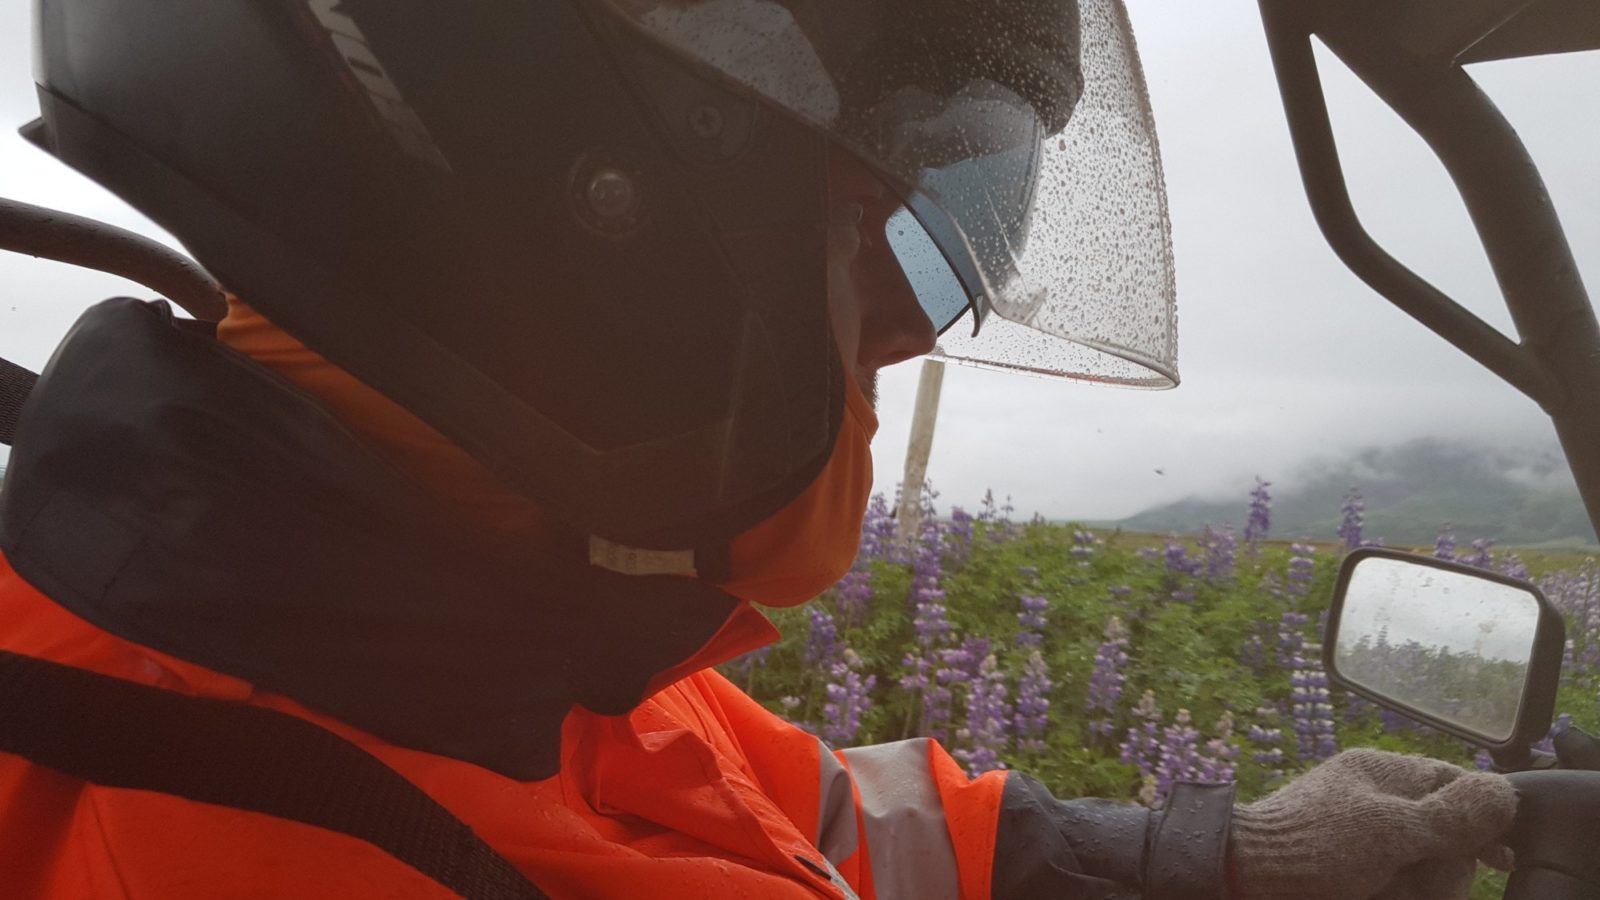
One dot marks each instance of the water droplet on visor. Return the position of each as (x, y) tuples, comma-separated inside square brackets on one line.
[(938, 290)]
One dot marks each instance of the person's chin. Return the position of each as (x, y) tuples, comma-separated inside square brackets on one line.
[(868, 381)]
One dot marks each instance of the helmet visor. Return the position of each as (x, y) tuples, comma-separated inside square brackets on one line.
[(1020, 136), (930, 274)]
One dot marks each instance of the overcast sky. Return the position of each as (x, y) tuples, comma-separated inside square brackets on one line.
[(1284, 355)]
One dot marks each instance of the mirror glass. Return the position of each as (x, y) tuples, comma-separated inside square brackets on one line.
[(1449, 644)]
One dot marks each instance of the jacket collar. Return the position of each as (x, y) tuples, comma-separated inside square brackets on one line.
[(176, 494)]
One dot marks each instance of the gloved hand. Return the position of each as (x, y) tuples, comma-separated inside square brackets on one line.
[(1371, 825)]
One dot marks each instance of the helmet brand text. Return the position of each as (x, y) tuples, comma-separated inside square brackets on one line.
[(382, 94)]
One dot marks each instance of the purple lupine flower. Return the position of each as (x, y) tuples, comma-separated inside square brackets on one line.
[(1105, 684), (1357, 708), (956, 668), (1301, 569), (999, 519), (1269, 759), (1444, 546), (1512, 566), (1143, 740), (1142, 746), (1179, 562), (1217, 758), (1253, 653), (1291, 637), (1259, 519), (936, 686), (988, 716), (822, 643), (987, 510), (877, 531), (1180, 567), (958, 538), (1391, 722), (1166, 755), (1579, 598), (1031, 621), (1118, 594), (1350, 527), (1268, 753), (1083, 544), (1312, 710), (745, 665), (1179, 758), (967, 657), (933, 629), (938, 701), (1577, 595), (918, 672), (1480, 557), (849, 696), (1221, 547), (1269, 737), (1033, 704), (1482, 761), (1547, 743), (1271, 585), (929, 613), (852, 596)]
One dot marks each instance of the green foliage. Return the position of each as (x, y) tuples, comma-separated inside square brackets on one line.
[(1186, 652)]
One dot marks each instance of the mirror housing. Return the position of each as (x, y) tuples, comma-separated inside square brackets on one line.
[(1546, 643)]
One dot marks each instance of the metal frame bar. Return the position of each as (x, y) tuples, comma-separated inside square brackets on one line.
[(51, 234), (63, 237), (1557, 363)]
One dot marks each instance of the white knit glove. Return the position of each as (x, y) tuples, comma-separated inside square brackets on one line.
[(1371, 825)]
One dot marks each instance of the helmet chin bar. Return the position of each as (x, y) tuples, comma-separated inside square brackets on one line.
[(1411, 55)]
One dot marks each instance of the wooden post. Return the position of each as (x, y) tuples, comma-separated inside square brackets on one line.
[(909, 516)]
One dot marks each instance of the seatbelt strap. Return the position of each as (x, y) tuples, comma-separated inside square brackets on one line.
[(120, 734), (15, 385)]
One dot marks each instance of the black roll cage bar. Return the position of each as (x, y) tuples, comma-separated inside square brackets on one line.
[(1411, 55)]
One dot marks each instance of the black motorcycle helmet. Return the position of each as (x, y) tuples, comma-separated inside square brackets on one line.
[(585, 239)]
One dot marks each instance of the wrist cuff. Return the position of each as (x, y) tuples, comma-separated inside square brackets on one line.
[(1187, 857)]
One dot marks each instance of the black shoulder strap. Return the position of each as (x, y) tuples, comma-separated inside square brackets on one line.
[(121, 734), (15, 385)]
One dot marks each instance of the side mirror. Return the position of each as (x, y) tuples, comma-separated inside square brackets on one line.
[(1469, 652)]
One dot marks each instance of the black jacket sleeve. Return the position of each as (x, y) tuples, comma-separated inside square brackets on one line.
[(1102, 850)]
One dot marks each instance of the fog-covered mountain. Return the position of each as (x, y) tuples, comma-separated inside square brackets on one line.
[(1518, 497)]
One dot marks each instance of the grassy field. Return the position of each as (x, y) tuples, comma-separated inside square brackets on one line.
[(1109, 665)]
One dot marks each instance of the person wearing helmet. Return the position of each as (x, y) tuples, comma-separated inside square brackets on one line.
[(550, 350)]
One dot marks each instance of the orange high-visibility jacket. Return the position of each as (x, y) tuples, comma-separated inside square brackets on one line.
[(269, 583)]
